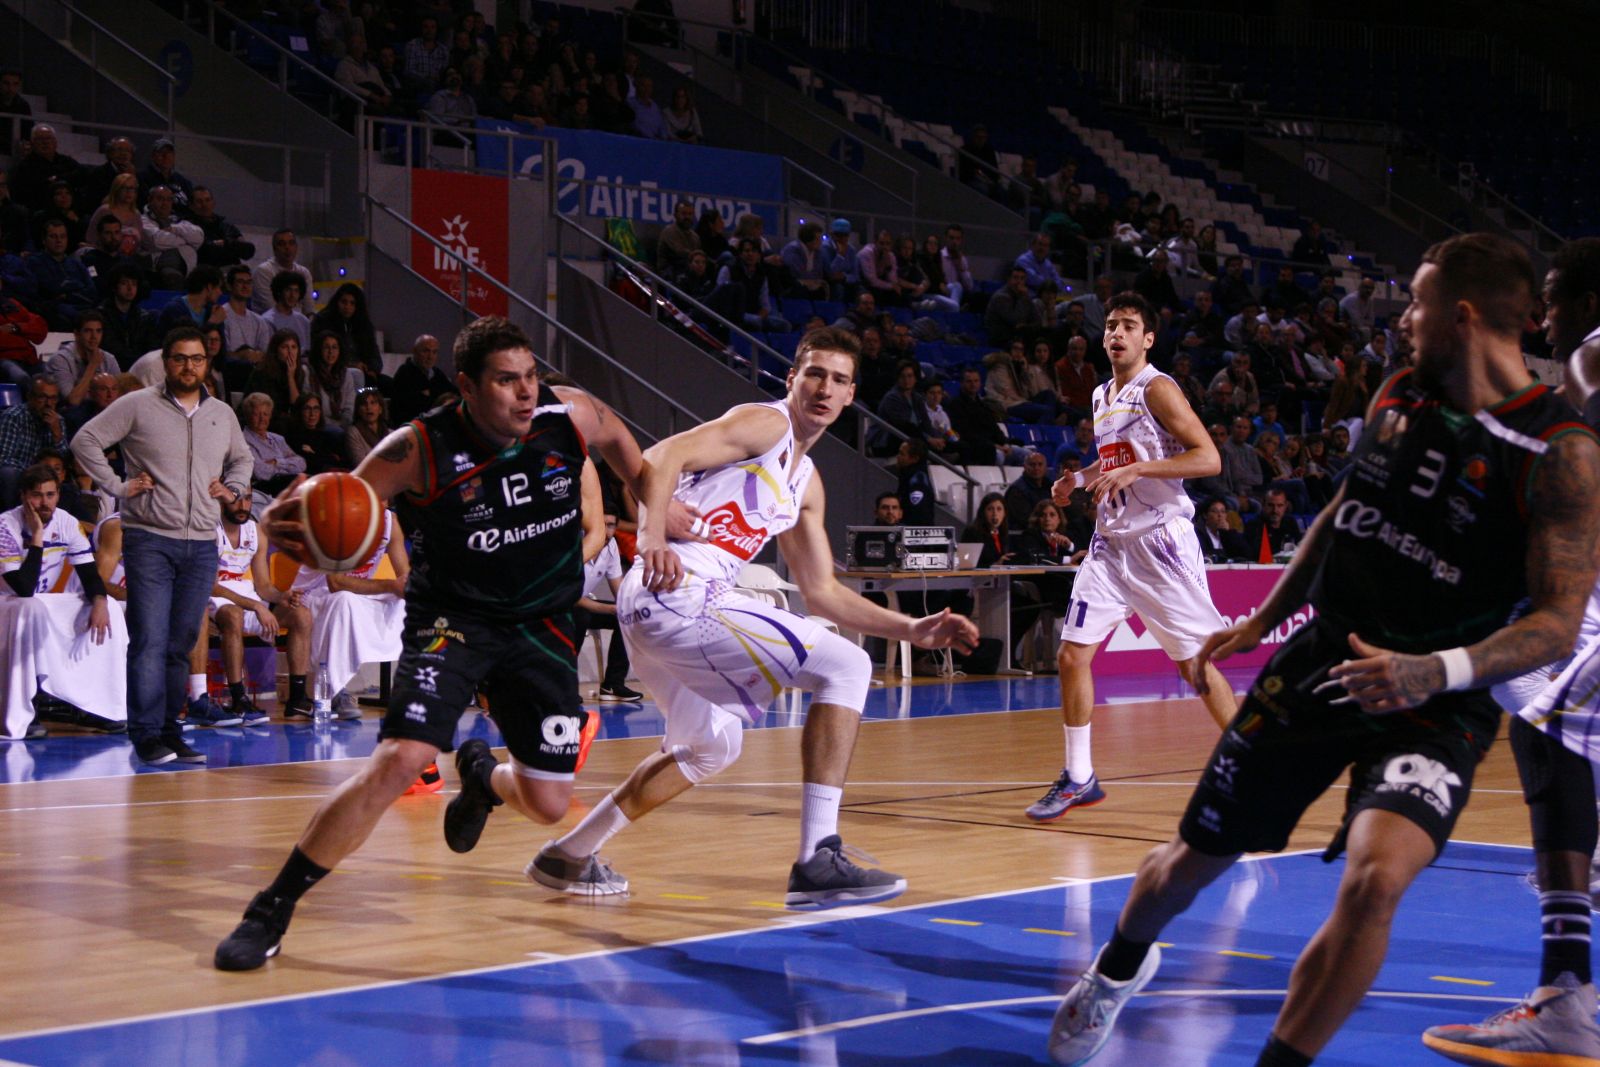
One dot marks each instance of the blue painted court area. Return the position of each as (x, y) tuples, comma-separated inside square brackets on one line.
[(93, 756), (965, 982)]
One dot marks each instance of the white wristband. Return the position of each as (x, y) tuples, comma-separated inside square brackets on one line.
[(700, 528), (1077, 479), (1457, 668)]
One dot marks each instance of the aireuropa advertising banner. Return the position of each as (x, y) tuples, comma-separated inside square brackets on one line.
[(611, 176)]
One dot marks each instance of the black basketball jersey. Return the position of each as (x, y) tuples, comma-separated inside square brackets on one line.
[(497, 532), (1430, 541)]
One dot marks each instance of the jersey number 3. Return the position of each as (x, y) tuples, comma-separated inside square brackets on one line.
[(515, 487), (1429, 472)]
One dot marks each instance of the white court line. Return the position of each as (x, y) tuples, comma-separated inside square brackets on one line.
[(1054, 998), (597, 954)]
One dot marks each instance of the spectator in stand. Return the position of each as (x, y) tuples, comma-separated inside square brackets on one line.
[(1094, 308), (1154, 283), (200, 304), (329, 374), (370, 426), (26, 430), (392, 70), (712, 231), (59, 209), (21, 331), (532, 106), (1081, 448), (43, 166), (1285, 293), (877, 373), (105, 257), (978, 165), (879, 273), (990, 529), (1349, 395), (245, 334), (943, 437), (597, 610), (1311, 249), (222, 244), (172, 243), (844, 265), (361, 76), (579, 113), (346, 316), (1029, 489), (977, 422), (333, 25), (1206, 252), (698, 280), (75, 364), (1038, 267), (912, 281), (744, 292), (1240, 331), (681, 118), (959, 285), (1012, 312), (1020, 387), (1360, 310), (14, 220), (677, 241), (859, 317), (130, 330), (1231, 292), (932, 266), (1267, 422), (1076, 380), (278, 376), (1247, 394), (1327, 326), (1184, 250), (1219, 541), (425, 59), (1193, 389), (285, 313), (1098, 216), (887, 510), (419, 384), (1204, 332), (648, 119), (186, 442), (320, 445), (275, 463), (285, 250), (162, 171), (1274, 532), (1241, 467), (1265, 364), (62, 285), (12, 131), (451, 105), (104, 389), (807, 268), (612, 111), (903, 408), (122, 203), (503, 103)]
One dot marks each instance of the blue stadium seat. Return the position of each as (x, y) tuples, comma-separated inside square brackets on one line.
[(795, 310)]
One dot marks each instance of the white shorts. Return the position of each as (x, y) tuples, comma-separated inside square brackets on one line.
[(252, 621), (1568, 707), (1159, 574), (711, 655)]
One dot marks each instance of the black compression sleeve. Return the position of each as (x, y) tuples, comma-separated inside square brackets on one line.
[(25, 579), (89, 576)]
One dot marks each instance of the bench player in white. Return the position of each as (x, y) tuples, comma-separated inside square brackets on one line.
[(1145, 556), (713, 658)]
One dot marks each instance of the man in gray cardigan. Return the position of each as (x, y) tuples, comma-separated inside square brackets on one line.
[(183, 452)]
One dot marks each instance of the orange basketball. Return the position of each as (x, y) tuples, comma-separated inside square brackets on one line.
[(342, 518)]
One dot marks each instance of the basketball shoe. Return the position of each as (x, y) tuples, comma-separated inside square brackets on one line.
[(1083, 1022), (203, 711), (830, 880), (429, 781), (1553, 1026), (465, 816), (591, 726), (249, 713), (587, 877), (258, 937), (1065, 794)]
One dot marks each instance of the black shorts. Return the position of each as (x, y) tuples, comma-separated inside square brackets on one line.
[(1287, 745), (529, 671)]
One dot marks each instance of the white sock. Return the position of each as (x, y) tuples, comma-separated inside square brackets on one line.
[(597, 827), (197, 686), (1080, 764), (819, 816)]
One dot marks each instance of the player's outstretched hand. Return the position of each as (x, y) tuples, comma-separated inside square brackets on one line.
[(281, 521), (1381, 681), (945, 630), (1061, 492), (684, 522), (663, 570), (1242, 636)]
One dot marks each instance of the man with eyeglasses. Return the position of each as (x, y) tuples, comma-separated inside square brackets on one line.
[(184, 454)]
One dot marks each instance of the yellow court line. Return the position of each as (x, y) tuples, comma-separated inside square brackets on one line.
[(1458, 981), (424, 877), (955, 922), (683, 896), (1057, 933), (1163, 944), (501, 881), (1244, 955), (769, 904)]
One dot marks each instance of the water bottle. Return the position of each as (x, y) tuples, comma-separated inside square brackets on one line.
[(321, 699)]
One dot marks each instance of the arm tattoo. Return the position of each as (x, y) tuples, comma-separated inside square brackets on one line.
[(397, 449), (1416, 678), (1561, 563)]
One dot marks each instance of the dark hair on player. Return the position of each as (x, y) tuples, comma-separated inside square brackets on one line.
[(829, 339), (1131, 299), (1577, 269), (1491, 273), (481, 339)]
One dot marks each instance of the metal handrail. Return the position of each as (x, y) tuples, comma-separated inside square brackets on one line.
[(757, 345), (284, 55), (468, 270), (170, 78)]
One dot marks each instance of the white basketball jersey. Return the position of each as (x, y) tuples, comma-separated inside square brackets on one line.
[(1126, 432), (744, 504), (311, 580), (233, 564), (119, 577)]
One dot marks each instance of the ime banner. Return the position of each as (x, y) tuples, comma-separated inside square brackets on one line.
[(470, 216)]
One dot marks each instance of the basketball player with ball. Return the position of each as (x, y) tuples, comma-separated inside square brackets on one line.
[(490, 487)]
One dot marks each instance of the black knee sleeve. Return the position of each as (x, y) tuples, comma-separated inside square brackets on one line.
[(1558, 785)]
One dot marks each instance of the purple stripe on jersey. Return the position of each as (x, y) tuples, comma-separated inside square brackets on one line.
[(800, 652), (752, 502)]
